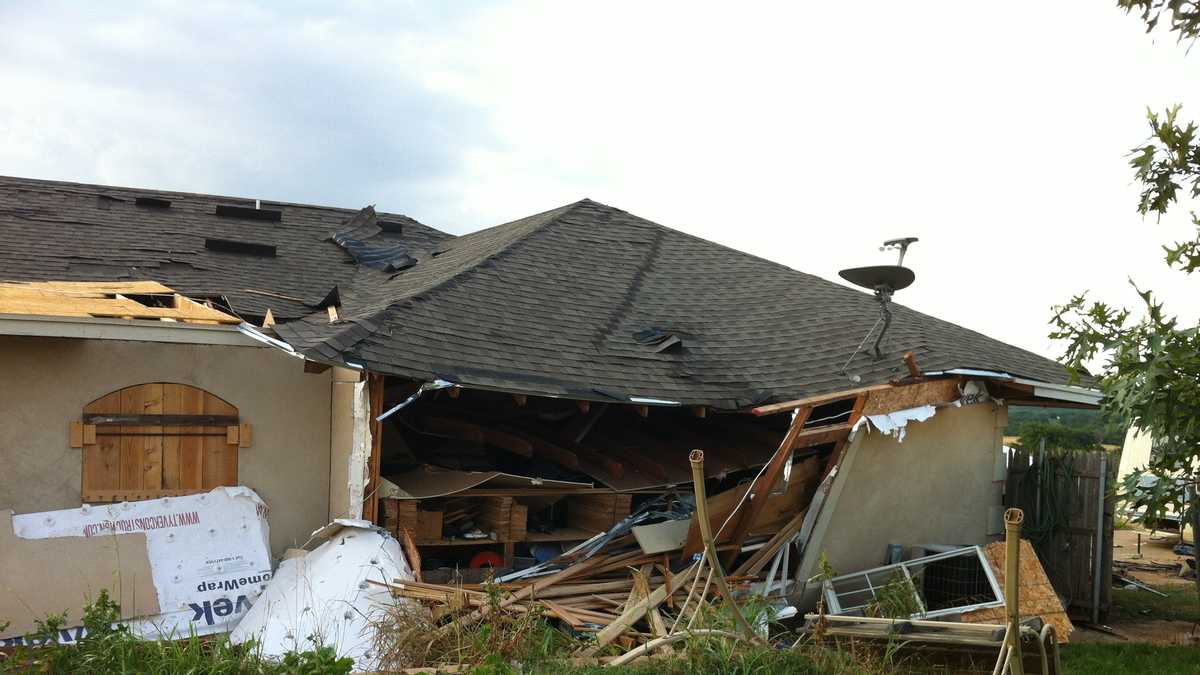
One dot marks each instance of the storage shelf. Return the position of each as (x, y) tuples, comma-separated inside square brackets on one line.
[(455, 542)]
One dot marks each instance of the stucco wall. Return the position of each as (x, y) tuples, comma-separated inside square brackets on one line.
[(941, 485), (45, 382)]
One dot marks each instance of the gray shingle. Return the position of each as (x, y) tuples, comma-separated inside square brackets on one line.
[(550, 304)]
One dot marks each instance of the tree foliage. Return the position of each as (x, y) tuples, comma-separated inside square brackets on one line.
[(1150, 359), (1183, 16), (1026, 421), (1057, 436)]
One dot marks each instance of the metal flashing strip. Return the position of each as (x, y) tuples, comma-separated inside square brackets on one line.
[(972, 372), (427, 386), (652, 401), (252, 332), (1062, 392), (1058, 392)]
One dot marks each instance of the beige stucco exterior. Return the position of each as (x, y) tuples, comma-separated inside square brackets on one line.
[(943, 484), (46, 381)]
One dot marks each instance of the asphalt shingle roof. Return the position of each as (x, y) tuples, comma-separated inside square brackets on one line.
[(551, 304), (585, 301), (54, 231)]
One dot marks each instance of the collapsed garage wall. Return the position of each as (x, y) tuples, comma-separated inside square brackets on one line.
[(942, 485), (46, 383)]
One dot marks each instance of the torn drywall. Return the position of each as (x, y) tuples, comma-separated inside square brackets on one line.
[(359, 470), (894, 423), (209, 555), (324, 597)]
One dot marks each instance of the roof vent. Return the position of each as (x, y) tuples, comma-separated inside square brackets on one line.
[(658, 340), (247, 248), (390, 226), (267, 215), (153, 202)]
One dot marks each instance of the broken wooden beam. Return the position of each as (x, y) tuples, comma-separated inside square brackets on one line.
[(756, 498), (911, 362)]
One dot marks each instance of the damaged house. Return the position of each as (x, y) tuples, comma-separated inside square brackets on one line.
[(494, 398)]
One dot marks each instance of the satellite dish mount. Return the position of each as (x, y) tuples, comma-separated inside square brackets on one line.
[(884, 280)]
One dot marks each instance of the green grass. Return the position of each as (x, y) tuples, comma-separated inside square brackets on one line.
[(1181, 604), (1134, 659), (109, 648)]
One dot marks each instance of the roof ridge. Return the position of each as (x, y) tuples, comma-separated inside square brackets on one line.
[(380, 315), (201, 195)]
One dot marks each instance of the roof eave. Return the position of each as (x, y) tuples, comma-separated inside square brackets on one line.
[(33, 325)]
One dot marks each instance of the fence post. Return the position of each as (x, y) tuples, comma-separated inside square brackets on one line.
[(1012, 584), (1100, 539)]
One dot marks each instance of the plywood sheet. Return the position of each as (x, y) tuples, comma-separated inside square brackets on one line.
[(1036, 596), (98, 299), (888, 400), (40, 577)]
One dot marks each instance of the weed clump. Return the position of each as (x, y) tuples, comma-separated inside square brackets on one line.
[(107, 646)]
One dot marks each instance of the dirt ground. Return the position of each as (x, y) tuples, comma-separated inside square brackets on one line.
[(1138, 615)]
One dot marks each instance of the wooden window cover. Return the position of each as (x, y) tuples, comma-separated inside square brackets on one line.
[(138, 443)]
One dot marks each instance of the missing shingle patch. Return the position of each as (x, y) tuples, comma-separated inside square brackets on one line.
[(153, 202), (248, 213), (244, 247)]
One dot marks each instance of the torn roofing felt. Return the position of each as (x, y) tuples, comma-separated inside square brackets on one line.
[(588, 301), (279, 256), (361, 239)]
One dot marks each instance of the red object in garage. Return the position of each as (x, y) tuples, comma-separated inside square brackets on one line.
[(486, 559)]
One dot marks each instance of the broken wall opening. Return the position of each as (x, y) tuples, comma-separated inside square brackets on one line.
[(570, 469)]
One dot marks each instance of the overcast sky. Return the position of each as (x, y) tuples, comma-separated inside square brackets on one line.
[(806, 133)]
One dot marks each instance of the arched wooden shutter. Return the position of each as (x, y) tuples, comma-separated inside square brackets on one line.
[(157, 440)]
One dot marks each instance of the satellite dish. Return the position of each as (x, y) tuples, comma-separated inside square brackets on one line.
[(883, 280), (892, 277)]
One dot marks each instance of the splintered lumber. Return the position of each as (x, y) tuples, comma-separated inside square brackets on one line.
[(650, 646), (821, 399), (411, 552), (641, 584), (633, 614), (758, 491), (759, 559), (532, 589), (779, 508)]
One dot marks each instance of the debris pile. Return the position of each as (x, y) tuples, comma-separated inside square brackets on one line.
[(611, 587)]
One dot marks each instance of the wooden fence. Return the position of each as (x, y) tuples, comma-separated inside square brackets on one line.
[(1068, 514)]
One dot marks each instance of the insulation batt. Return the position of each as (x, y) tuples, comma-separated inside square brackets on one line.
[(896, 423), (322, 597)]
